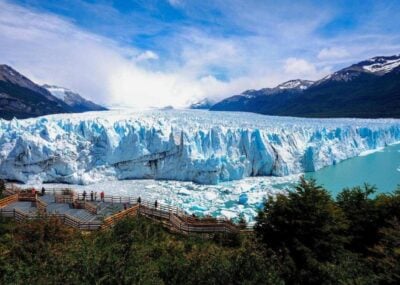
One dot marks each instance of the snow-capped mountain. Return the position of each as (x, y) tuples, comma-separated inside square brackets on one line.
[(73, 99), (382, 64), (13, 77), (204, 104), (297, 84), (370, 88), (254, 100), (204, 147), (22, 98), (377, 66)]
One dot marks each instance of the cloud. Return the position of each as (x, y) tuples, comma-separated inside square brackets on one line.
[(301, 68), (49, 49), (333, 53), (147, 55), (155, 58), (175, 2)]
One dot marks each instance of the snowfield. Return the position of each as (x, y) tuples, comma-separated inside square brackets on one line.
[(198, 146)]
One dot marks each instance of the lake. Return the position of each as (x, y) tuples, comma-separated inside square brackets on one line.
[(381, 168)]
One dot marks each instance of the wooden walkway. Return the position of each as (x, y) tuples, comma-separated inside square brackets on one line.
[(74, 211)]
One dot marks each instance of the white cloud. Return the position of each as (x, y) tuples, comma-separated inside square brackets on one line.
[(189, 63), (333, 53), (174, 2), (147, 55), (49, 49), (303, 69)]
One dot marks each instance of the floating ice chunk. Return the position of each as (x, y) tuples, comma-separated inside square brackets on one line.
[(228, 214), (210, 195), (243, 198)]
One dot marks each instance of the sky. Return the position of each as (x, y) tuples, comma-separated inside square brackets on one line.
[(150, 53)]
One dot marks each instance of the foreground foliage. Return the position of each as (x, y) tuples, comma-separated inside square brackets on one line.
[(354, 239), (303, 237)]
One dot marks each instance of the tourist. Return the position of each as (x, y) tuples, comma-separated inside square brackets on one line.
[(95, 196), (155, 204), (91, 195), (84, 195), (43, 191), (139, 200), (102, 196)]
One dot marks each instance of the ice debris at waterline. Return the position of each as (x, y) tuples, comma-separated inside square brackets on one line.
[(199, 146), (221, 200)]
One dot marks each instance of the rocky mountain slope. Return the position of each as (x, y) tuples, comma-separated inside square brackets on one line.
[(21, 98), (73, 99)]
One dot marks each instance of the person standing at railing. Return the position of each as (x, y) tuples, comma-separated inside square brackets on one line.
[(139, 200), (84, 195), (91, 195), (43, 191), (102, 196), (95, 196), (155, 204)]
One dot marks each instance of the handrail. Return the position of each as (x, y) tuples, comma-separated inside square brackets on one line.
[(8, 200), (26, 196), (41, 205), (87, 206), (109, 221)]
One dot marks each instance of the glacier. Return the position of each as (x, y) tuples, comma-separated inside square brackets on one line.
[(187, 145)]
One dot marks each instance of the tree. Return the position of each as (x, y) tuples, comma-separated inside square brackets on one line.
[(362, 214), (306, 228), (386, 254), (2, 187)]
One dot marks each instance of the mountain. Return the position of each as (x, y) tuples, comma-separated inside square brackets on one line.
[(73, 99), (21, 98), (368, 89), (204, 104), (266, 99)]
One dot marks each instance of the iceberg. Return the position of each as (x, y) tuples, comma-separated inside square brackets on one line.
[(185, 145)]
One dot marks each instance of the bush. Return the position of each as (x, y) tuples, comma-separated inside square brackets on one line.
[(2, 187)]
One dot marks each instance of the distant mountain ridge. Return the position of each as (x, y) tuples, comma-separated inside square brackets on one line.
[(202, 104), (253, 100), (73, 99), (368, 89), (21, 98)]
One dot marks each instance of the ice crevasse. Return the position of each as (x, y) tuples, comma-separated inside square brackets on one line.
[(199, 146)]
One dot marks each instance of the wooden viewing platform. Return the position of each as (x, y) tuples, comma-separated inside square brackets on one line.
[(83, 214)]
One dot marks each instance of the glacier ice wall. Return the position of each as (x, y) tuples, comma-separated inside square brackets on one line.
[(197, 146)]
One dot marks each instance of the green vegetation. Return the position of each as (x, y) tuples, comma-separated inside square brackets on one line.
[(2, 187), (304, 237)]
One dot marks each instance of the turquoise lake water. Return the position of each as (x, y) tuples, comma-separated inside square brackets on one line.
[(381, 168)]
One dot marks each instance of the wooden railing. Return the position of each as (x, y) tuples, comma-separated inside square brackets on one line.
[(90, 207), (18, 215), (77, 223), (187, 224), (27, 196), (8, 200), (131, 212), (41, 206)]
